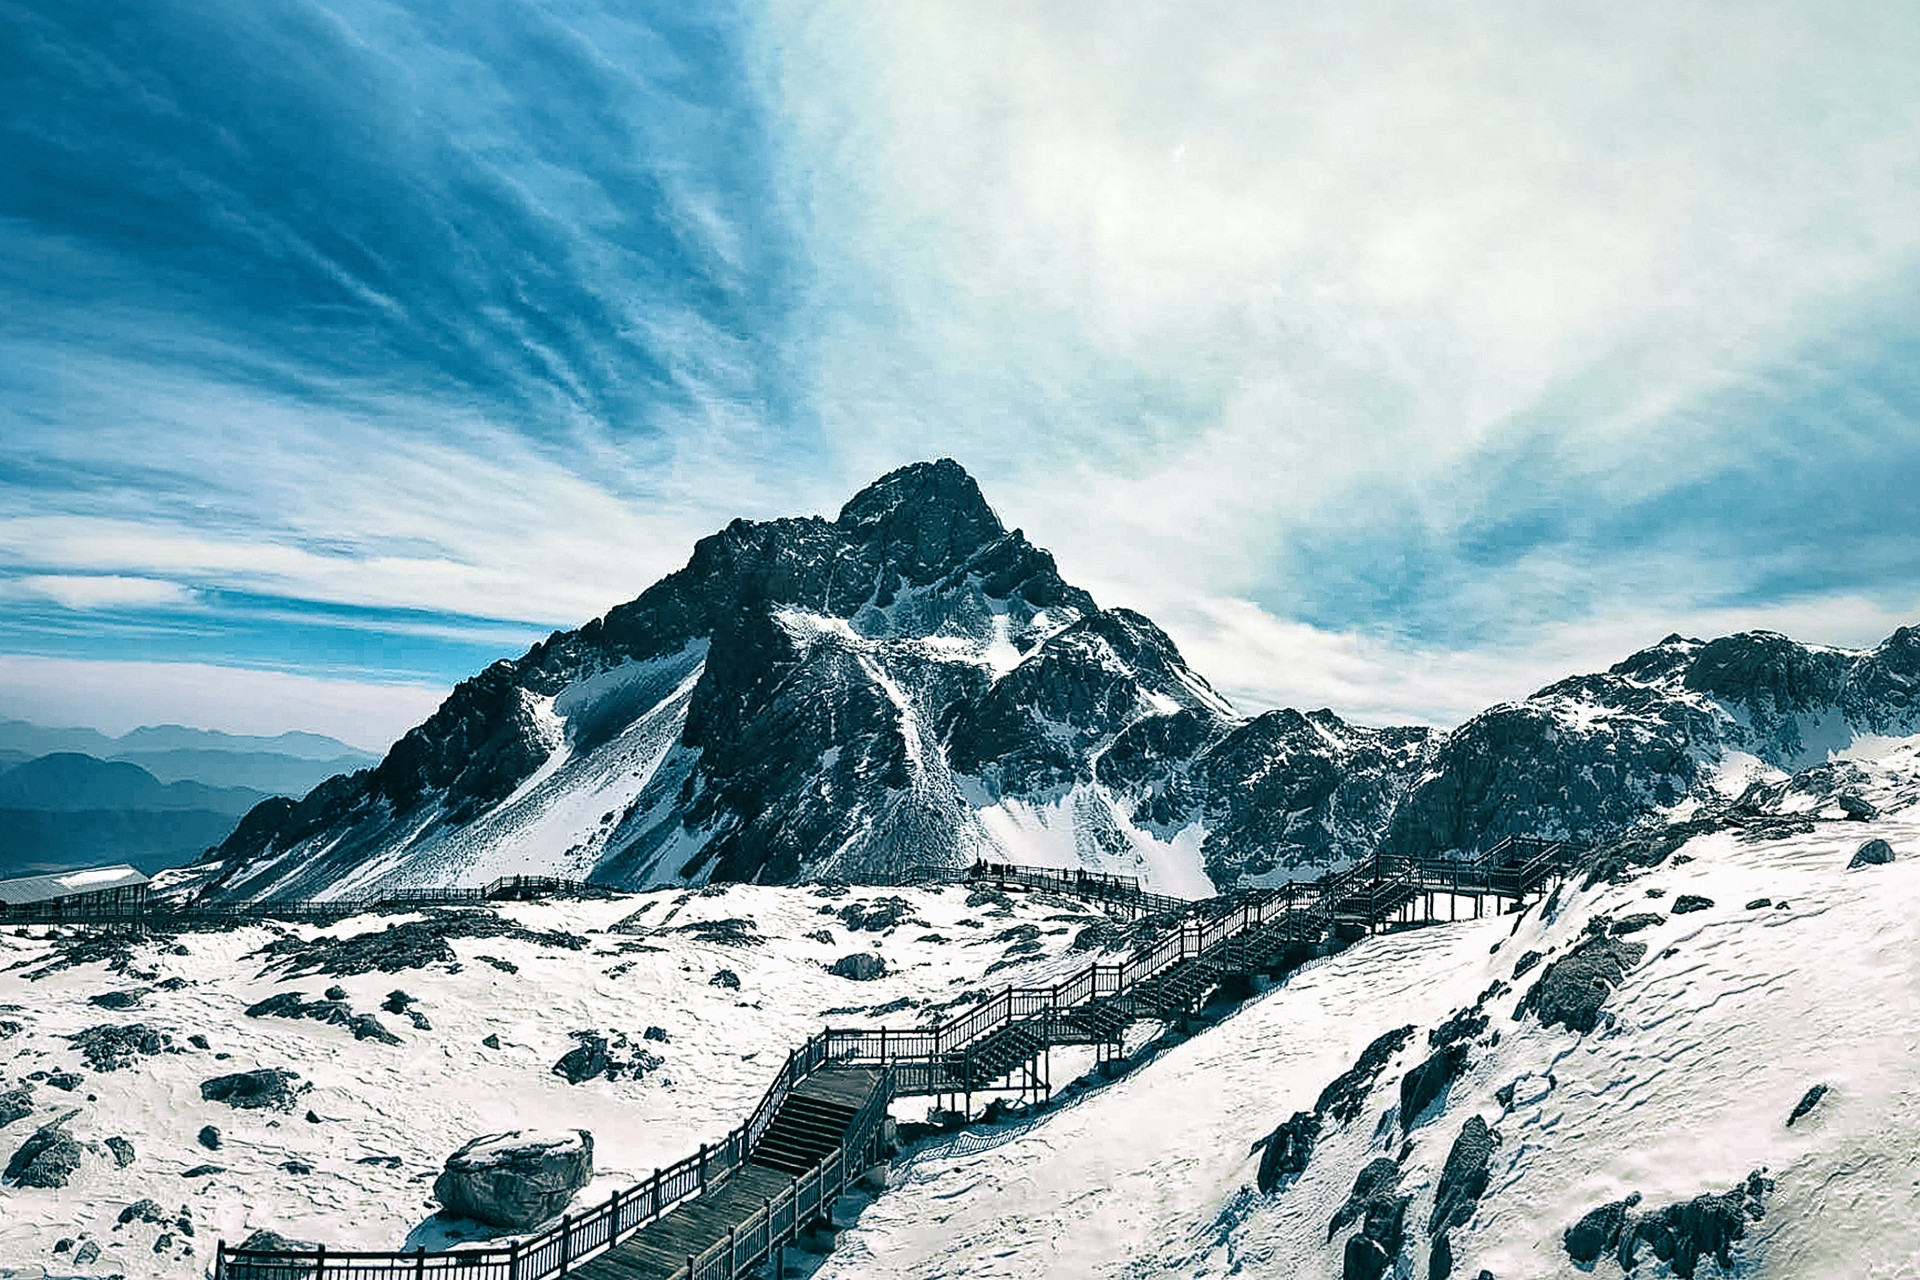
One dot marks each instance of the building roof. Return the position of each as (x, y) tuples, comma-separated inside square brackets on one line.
[(66, 884)]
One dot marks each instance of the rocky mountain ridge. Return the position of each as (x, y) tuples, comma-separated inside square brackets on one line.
[(913, 683)]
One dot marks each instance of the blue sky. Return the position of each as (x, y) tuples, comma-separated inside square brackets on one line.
[(1397, 358)]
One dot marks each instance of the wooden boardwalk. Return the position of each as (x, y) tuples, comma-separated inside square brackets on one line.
[(661, 1251)]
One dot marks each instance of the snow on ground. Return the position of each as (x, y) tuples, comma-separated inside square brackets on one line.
[(1714, 1036), (389, 1115)]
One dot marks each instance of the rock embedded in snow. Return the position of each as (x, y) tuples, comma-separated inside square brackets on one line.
[(1347, 1093), (264, 1089), (122, 1151), (1571, 990), (1875, 852), (1375, 1182), (265, 1241), (1690, 902), (725, 978), (16, 1104), (516, 1180), (1287, 1150), (1463, 1180), (209, 1137), (1373, 1251), (1636, 922), (1423, 1085), (47, 1158), (861, 966), (1597, 1231), (1808, 1101)]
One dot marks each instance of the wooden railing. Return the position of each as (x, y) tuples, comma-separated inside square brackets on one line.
[(162, 914)]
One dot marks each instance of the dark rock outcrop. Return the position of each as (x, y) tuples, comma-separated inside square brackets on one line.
[(16, 1104), (1375, 1183), (209, 1137), (47, 1158), (1421, 1087), (861, 966), (264, 1089), (1464, 1178), (1571, 990), (1808, 1101), (1286, 1150), (1690, 902), (516, 1180), (1875, 852), (122, 1151), (1372, 1251), (1343, 1098)]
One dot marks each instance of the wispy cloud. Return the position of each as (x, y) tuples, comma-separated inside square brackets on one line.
[(1394, 354)]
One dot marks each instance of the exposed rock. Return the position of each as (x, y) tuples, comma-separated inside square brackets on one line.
[(367, 1027), (299, 1168), (198, 1041), (1875, 852), (210, 1137), (1526, 962), (1347, 1094), (1571, 990), (118, 999), (122, 1151), (491, 1040), (878, 915), (585, 1060), (616, 1058), (336, 993), (203, 1171), (1808, 1101), (47, 1158), (1375, 1182), (1690, 902), (822, 936), (1597, 1231), (1372, 1251), (516, 1180), (1708, 1225), (1423, 1085), (1856, 808), (1464, 1179), (252, 1090), (87, 1254), (1440, 1258), (737, 931), (265, 1241), (861, 966), (396, 1001), (658, 1034), (144, 1211), (1758, 903), (725, 978), (16, 1104), (1638, 921), (415, 944), (111, 1048), (1287, 1149)]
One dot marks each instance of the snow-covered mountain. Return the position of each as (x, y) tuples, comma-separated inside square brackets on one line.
[(1706, 1045), (911, 683)]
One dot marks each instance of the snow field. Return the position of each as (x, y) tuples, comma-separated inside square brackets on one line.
[(1684, 1089), (404, 1108)]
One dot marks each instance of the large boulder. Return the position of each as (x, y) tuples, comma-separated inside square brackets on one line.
[(1287, 1150), (861, 966), (47, 1158), (1571, 990), (516, 1180), (252, 1090), (1873, 853)]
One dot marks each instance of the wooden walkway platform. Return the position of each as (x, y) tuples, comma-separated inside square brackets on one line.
[(661, 1251)]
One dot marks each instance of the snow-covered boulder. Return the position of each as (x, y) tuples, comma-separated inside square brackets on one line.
[(516, 1180)]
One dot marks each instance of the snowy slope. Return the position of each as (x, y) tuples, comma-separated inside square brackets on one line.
[(1684, 1089), (389, 1115)]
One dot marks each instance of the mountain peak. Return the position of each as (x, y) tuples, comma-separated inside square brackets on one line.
[(928, 516)]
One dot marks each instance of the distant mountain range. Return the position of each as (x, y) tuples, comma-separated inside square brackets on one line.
[(156, 797), (912, 683)]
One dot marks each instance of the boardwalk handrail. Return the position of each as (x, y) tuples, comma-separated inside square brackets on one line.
[(1512, 867)]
